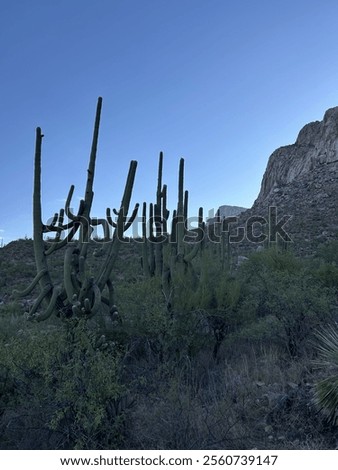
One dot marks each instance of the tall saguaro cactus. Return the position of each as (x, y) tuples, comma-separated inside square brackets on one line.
[(185, 247), (79, 293), (152, 250)]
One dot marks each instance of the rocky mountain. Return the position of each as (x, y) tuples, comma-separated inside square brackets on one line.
[(301, 182)]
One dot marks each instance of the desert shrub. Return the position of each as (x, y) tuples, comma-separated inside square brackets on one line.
[(301, 306), (205, 300), (144, 318), (328, 252), (327, 275), (278, 284), (142, 307), (62, 390)]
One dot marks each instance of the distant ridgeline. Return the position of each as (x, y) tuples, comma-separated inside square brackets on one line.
[(226, 211), (301, 182)]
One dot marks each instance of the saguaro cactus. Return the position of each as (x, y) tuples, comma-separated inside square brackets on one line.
[(186, 243), (78, 293), (152, 250)]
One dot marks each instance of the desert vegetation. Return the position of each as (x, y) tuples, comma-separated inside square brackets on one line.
[(166, 341)]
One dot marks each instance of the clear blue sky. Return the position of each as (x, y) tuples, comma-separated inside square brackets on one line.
[(221, 83)]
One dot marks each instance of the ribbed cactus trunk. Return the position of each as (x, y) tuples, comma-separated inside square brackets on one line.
[(45, 281), (159, 221), (180, 222)]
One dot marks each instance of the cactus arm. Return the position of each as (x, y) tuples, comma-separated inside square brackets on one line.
[(110, 262), (68, 280), (110, 218), (61, 226), (51, 306), (152, 240), (89, 193), (97, 300), (88, 309), (91, 167), (85, 287), (38, 242), (132, 217), (202, 227), (110, 287), (64, 242), (158, 220), (159, 178), (180, 203), (180, 211), (118, 233), (52, 226), (185, 207), (166, 212), (68, 212), (29, 289), (144, 221), (129, 187), (83, 262), (124, 225), (58, 226), (57, 243), (151, 223), (199, 239), (145, 255), (105, 225), (173, 235), (45, 293), (76, 306)]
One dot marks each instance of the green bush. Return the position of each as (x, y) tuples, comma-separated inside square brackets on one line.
[(63, 384), (327, 275), (280, 285)]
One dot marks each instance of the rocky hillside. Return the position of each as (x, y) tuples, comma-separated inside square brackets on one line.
[(301, 181)]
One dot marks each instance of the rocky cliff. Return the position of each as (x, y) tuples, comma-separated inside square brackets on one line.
[(301, 181), (316, 145)]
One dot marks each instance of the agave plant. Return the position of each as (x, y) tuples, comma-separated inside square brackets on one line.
[(326, 391)]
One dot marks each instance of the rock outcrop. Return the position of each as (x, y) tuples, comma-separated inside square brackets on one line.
[(226, 211), (317, 144), (301, 182)]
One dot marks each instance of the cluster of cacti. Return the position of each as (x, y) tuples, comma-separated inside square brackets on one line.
[(79, 293), (165, 254)]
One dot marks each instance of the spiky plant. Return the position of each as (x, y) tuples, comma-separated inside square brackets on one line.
[(80, 294), (326, 391)]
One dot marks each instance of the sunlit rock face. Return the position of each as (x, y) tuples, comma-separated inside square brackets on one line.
[(301, 182), (226, 211), (317, 144)]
